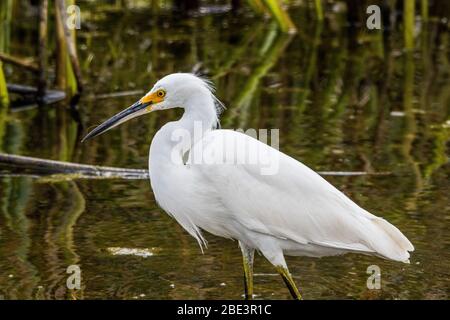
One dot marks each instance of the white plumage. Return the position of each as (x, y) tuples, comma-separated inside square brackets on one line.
[(208, 182), (294, 210)]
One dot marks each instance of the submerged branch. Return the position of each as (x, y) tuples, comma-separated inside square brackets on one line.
[(60, 170), (119, 94), (352, 173), (43, 167), (19, 62), (29, 96)]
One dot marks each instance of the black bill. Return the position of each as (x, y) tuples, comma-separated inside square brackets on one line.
[(133, 111)]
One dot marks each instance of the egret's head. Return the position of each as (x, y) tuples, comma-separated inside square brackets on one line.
[(177, 90)]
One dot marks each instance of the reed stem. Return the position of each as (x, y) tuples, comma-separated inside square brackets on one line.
[(281, 16), (408, 23), (319, 9), (70, 44), (424, 10), (4, 98), (42, 48)]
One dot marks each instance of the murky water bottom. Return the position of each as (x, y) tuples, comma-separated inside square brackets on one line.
[(343, 101)]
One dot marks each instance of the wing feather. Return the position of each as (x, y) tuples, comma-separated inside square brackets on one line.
[(295, 202)]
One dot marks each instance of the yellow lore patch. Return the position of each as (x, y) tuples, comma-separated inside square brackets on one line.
[(154, 97)]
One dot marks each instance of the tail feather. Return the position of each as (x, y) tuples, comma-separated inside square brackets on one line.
[(396, 246)]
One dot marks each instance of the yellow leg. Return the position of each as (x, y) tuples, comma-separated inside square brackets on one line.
[(247, 259), (285, 274)]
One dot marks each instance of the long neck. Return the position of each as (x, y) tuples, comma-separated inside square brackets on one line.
[(199, 111), (173, 140)]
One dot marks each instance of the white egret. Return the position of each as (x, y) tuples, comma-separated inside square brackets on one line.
[(292, 211)]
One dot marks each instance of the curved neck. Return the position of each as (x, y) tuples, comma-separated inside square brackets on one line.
[(175, 139), (199, 110)]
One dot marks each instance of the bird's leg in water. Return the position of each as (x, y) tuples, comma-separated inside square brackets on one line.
[(286, 275), (247, 259)]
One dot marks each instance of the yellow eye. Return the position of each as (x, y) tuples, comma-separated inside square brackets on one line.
[(160, 93)]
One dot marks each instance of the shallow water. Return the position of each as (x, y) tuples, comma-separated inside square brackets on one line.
[(344, 99)]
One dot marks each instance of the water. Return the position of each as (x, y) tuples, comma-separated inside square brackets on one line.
[(344, 100)]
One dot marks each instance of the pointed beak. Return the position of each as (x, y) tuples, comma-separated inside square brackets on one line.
[(131, 112), (139, 108)]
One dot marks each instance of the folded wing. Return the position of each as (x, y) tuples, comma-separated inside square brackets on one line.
[(279, 196)]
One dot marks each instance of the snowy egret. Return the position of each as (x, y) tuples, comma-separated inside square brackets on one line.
[(292, 211)]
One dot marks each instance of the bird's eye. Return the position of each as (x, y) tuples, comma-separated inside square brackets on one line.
[(160, 93)]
